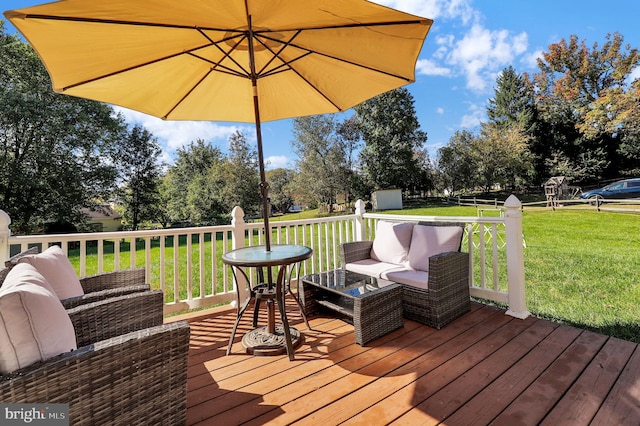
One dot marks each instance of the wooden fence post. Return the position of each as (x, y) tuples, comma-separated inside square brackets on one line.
[(5, 233), (515, 258), (237, 241)]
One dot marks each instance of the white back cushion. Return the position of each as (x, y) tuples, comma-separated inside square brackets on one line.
[(392, 241), (56, 268), (34, 325), (428, 241)]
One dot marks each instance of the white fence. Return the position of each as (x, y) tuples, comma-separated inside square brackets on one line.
[(186, 263)]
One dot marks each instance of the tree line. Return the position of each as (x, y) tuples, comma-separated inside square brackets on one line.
[(578, 117)]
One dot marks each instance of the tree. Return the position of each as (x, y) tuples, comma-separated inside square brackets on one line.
[(502, 156), (349, 135), (513, 107), (392, 137), (241, 178), (322, 159), (571, 81), (281, 189), (617, 112), (56, 151), (140, 173), (457, 162), (195, 184)]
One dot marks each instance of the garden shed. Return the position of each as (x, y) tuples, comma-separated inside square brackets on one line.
[(386, 199)]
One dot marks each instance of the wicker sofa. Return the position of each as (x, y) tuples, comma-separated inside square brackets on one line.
[(426, 259), (128, 367), (95, 287)]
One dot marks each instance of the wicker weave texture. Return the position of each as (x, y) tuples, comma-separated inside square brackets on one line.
[(377, 313), (447, 296), (354, 251), (119, 315), (113, 280), (132, 379)]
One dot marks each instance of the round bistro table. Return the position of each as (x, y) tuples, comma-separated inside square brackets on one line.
[(271, 339)]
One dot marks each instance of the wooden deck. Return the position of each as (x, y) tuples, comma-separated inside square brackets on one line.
[(484, 368)]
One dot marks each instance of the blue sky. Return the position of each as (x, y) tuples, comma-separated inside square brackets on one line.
[(469, 44)]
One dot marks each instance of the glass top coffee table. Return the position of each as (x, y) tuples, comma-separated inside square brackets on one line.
[(372, 305)]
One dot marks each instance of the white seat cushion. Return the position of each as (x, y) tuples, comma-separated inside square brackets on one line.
[(371, 267), (409, 277), (392, 241), (34, 325), (56, 268), (427, 241)]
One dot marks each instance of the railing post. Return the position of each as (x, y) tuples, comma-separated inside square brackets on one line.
[(237, 241), (5, 233), (359, 224), (515, 258)]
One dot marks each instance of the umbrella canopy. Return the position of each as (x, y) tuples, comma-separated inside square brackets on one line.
[(225, 60)]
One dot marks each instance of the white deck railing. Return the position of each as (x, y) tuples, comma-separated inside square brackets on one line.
[(186, 263)]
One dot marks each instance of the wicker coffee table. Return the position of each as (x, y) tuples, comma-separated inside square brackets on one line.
[(373, 306)]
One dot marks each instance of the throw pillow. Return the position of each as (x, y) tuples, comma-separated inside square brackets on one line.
[(34, 325), (392, 241), (428, 241), (56, 268)]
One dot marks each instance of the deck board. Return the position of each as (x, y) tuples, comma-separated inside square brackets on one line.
[(485, 367)]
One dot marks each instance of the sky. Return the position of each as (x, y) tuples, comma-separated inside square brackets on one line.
[(468, 46)]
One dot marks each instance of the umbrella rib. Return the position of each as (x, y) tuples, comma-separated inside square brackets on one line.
[(186, 95), (133, 67), (218, 67), (275, 54), (227, 54)]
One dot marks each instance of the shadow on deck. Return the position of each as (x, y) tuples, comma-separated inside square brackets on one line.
[(483, 368)]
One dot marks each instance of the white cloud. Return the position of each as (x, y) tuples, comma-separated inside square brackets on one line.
[(481, 53), (474, 117), (530, 60), (635, 74), (176, 134), (276, 162), (429, 67), (433, 9), (426, 8), (440, 110)]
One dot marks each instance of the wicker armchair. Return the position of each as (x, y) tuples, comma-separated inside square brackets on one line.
[(128, 369), (96, 287), (447, 296)]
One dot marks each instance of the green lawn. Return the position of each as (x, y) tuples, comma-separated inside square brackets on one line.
[(581, 267)]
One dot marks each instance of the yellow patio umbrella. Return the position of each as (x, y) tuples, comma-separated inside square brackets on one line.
[(225, 60)]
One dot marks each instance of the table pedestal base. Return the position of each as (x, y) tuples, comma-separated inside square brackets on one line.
[(260, 342)]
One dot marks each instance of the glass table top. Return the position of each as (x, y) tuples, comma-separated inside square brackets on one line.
[(346, 282), (280, 254)]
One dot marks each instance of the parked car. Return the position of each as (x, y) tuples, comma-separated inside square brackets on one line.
[(628, 188)]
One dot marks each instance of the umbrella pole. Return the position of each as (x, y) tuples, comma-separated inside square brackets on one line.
[(264, 186)]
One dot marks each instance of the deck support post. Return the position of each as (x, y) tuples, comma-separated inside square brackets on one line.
[(237, 241), (515, 258), (359, 227)]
